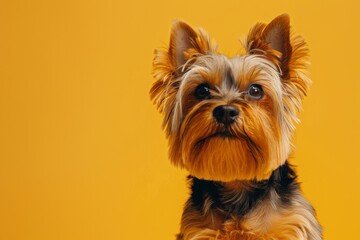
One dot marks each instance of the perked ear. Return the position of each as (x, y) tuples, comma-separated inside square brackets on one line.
[(274, 36), (186, 44), (277, 34), (182, 38)]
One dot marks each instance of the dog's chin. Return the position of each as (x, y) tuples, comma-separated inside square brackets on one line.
[(222, 157)]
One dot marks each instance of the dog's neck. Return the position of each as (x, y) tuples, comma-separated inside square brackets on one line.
[(239, 197)]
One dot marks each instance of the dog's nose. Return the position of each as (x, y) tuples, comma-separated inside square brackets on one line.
[(225, 114)]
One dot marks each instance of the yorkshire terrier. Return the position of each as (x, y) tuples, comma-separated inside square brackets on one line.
[(229, 122)]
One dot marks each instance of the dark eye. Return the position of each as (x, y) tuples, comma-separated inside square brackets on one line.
[(256, 91), (202, 92)]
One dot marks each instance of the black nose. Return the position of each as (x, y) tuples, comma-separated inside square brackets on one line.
[(225, 114)]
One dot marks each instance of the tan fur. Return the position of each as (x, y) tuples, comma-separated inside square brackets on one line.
[(185, 120), (259, 141), (269, 221)]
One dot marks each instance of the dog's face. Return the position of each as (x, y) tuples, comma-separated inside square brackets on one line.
[(231, 118)]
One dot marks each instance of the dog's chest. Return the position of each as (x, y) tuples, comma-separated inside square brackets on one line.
[(265, 222), (258, 224), (273, 210)]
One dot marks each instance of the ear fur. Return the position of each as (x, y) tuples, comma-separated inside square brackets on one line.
[(182, 39), (277, 34), (270, 37), (169, 65)]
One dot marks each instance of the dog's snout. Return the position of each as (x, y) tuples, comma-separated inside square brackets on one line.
[(225, 114)]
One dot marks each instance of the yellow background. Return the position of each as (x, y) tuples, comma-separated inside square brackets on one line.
[(82, 155)]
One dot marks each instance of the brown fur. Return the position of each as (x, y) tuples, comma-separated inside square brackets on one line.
[(256, 144), (268, 221)]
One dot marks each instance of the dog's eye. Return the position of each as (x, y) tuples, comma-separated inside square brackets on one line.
[(202, 92), (256, 91)]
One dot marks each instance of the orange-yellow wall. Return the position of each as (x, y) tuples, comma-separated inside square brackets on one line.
[(82, 155)]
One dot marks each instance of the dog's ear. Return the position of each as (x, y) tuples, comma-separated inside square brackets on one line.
[(186, 44), (182, 39), (277, 34), (270, 37)]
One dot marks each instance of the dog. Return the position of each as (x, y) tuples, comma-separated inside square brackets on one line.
[(229, 122)]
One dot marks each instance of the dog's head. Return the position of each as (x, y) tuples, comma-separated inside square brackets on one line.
[(231, 118)]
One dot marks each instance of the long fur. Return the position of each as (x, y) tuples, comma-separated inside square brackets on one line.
[(269, 209), (229, 163)]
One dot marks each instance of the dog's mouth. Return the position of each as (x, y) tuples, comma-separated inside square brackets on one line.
[(224, 134), (221, 134)]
